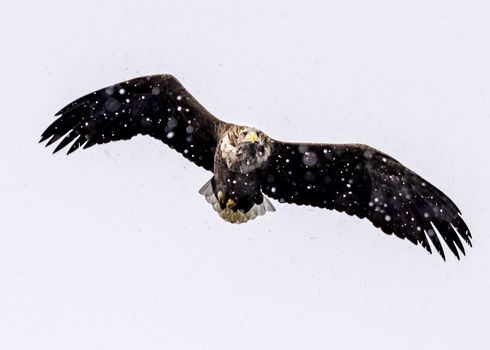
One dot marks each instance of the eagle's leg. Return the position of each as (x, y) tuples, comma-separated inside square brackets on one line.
[(237, 198)]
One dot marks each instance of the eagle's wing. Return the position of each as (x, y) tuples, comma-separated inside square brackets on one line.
[(156, 105), (365, 182)]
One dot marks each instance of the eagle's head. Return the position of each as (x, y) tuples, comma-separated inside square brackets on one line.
[(244, 148)]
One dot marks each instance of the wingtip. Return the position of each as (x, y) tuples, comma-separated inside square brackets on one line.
[(58, 148), (440, 250), (45, 135), (453, 248)]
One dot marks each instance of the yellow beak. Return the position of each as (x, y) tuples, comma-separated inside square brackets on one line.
[(251, 137)]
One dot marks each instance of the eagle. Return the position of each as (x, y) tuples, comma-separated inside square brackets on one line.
[(249, 167)]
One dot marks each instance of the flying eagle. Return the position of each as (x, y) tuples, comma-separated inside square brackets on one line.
[(248, 166)]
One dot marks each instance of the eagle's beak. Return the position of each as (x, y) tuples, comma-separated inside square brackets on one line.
[(251, 137)]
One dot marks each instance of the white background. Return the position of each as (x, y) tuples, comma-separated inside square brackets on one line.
[(113, 247)]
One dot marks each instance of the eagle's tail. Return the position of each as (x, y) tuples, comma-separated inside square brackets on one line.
[(235, 217)]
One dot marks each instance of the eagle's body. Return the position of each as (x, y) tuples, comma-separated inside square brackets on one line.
[(237, 180), (248, 166)]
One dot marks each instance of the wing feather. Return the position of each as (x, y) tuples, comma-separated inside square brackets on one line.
[(360, 180), (158, 106)]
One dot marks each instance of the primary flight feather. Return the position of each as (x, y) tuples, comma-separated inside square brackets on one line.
[(248, 165)]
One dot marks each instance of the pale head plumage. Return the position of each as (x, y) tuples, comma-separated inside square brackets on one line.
[(245, 149)]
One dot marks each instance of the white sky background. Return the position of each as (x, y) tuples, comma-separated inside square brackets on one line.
[(113, 247)]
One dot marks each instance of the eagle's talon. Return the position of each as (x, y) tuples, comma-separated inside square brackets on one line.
[(221, 197), (230, 203)]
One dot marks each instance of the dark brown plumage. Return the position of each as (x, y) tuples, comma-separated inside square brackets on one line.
[(247, 164), (157, 106)]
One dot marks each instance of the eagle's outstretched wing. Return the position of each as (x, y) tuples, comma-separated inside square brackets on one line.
[(363, 181), (156, 105)]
